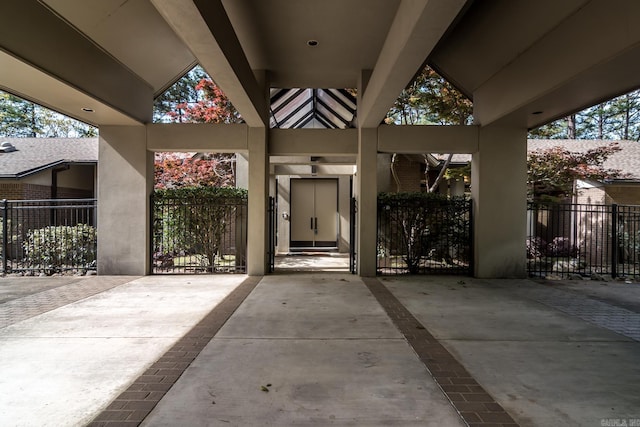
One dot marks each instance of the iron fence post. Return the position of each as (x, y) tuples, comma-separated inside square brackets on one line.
[(5, 226), (614, 240), (352, 236), (472, 262), (152, 216), (271, 250)]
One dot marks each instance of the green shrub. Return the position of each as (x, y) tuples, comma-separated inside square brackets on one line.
[(57, 247), (420, 226), (193, 220)]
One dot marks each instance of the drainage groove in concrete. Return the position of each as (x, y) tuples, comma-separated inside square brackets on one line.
[(133, 405), (473, 403)]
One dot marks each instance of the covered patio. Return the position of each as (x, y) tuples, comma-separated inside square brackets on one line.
[(522, 63), (317, 349)]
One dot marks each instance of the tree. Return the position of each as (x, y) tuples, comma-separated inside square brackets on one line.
[(421, 226), (169, 107), (21, 118), (213, 107), (552, 172), (195, 220), (195, 98), (430, 100), (172, 171), (618, 118)]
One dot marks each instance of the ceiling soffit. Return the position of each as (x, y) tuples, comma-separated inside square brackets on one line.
[(492, 34), (274, 35), (134, 33)]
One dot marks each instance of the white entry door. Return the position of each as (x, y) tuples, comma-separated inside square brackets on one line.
[(314, 212)]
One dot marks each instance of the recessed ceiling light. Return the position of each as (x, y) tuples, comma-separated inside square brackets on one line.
[(312, 43), (88, 110)]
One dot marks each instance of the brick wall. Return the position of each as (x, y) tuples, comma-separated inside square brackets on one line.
[(13, 191), (409, 174), (73, 193), (22, 191)]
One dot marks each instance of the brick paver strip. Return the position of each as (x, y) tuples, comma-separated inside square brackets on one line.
[(473, 403), (133, 405), (605, 315), (33, 305)]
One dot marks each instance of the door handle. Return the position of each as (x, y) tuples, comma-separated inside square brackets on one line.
[(311, 225), (316, 227)]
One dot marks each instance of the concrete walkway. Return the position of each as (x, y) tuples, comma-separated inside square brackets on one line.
[(319, 349), (83, 344)]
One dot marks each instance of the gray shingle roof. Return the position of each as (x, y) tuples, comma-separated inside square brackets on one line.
[(35, 154), (627, 160)]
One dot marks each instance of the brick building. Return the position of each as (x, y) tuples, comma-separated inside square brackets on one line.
[(48, 168)]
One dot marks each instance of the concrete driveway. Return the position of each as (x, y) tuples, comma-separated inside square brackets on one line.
[(318, 349)]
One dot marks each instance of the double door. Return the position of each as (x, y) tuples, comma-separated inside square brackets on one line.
[(314, 213)]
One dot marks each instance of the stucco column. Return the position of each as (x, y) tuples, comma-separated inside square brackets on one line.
[(499, 191), (125, 182), (367, 199), (258, 196)]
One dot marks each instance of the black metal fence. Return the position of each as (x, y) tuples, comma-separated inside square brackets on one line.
[(424, 235), (48, 236), (570, 239), (204, 235), (353, 211), (272, 211)]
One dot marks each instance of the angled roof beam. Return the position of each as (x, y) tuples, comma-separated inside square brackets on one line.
[(287, 101), (283, 121), (302, 121), (324, 120), (333, 112), (337, 99), (206, 29), (416, 28), (277, 95), (36, 36), (571, 68)]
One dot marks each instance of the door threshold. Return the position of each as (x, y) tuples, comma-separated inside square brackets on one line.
[(320, 250)]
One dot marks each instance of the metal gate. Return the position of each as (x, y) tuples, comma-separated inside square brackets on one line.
[(353, 210), (199, 235), (272, 210), (424, 234)]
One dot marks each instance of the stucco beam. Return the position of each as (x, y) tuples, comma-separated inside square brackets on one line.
[(25, 81), (589, 58), (37, 37), (313, 160), (322, 170), (313, 142), (416, 28), (428, 139), (199, 137), (205, 28)]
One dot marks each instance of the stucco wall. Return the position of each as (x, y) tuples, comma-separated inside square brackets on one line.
[(623, 194)]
